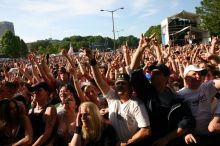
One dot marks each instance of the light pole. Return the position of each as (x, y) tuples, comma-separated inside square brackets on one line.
[(119, 31), (113, 25)]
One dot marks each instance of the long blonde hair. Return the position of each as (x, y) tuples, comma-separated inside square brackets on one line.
[(96, 124)]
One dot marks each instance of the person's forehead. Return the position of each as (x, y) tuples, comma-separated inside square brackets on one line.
[(83, 109), (64, 89), (191, 72)]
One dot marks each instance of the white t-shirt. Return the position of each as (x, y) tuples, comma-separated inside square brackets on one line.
[(199, 101), (128, 117)]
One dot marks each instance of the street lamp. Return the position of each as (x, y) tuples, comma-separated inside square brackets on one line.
[(118, 35), (119, 31), (112, 12)]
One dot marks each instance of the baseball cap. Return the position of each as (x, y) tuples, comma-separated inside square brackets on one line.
[(38, 86), (161, 67), (193, 68), (123, 76)]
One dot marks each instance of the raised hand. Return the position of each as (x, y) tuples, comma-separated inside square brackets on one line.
[(145, 41), (189, 139), (64, 52)]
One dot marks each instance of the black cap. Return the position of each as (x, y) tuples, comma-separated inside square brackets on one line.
[(38, 86), (161, 67), (123, 76)]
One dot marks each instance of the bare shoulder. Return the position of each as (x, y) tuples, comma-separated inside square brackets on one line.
[(50, 110)]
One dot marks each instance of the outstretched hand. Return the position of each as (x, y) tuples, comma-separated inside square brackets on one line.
[(145, 41), (64, 52), (189, 139)]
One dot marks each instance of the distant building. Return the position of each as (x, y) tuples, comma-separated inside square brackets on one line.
[(5, 26), (183, 28)]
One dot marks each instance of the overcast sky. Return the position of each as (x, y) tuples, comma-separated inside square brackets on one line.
[(43, 19)]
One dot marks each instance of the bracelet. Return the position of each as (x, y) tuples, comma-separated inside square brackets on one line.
[(78, 130), (92, 62)]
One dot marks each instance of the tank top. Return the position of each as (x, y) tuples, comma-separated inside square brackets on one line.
[(38, 123)]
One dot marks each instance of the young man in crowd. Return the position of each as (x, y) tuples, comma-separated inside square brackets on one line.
[(169, 116), (126, 113), (198, 95)]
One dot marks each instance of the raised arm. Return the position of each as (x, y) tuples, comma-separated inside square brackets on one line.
[(76, 83), (143, 44), (34, 68), (213, 43), (103, 86), (126, 54)]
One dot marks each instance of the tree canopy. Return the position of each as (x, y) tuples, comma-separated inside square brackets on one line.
[(12, 45), (154, 29), (210, 15), (55, 46)]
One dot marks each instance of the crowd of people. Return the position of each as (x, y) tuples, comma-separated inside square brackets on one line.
[(153, 95)]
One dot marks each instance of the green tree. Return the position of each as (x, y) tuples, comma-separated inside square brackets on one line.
[(132, 41), (12, 45), (210, 15), (24, 49), (154, 29)]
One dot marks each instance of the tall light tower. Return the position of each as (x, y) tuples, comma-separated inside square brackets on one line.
[(113, 25)]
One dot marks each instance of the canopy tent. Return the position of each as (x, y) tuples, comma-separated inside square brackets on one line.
[(185, 15)]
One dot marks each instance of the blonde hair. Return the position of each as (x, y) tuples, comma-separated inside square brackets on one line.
[(96, 124)]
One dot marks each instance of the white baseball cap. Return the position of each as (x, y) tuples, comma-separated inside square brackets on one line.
[(192, 68)]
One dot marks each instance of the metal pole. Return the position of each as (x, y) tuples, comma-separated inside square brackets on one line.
[(113, 25)]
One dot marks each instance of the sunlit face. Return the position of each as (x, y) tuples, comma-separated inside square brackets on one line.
[(121, 87), (85, 115), (64, 93), (193, 79), (63, 76), (102, 71), (91, 92)]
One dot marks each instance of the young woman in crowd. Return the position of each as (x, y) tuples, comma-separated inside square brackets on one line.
[(66, 116), (43, 115), (16, 129), (90, 128)]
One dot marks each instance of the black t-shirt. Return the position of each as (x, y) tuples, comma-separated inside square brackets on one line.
[(108, 138)]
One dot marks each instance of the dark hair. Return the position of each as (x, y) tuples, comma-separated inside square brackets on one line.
[(5, 115), (73, 91)]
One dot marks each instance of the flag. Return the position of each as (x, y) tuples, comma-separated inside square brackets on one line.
[(71, 50)]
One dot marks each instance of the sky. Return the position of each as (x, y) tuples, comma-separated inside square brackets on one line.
[(44, 19)]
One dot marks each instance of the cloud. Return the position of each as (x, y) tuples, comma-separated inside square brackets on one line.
[(140, 4), (149, 12)]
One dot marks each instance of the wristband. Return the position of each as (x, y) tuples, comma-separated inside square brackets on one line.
[(78, 130), (92, 62)]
